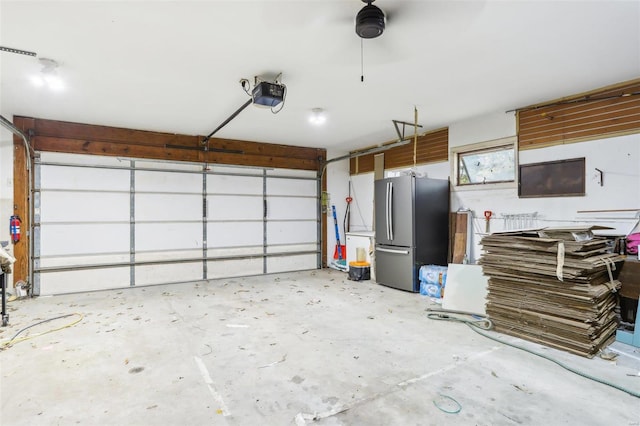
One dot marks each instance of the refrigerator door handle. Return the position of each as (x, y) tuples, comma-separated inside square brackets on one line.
[(387, 211), (390, 211), (395, 251)]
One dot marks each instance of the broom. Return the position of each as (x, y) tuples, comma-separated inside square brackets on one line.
[(340, 263)]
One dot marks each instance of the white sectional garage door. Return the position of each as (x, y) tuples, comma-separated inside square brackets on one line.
[(103, 222)]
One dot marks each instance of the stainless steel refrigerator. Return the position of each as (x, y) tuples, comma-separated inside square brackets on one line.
[(412, 228)]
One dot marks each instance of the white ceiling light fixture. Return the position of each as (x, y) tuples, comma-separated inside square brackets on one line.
[(48, 75), (318, 117)]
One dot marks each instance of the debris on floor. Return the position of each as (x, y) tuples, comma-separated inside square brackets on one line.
[(284, 358)]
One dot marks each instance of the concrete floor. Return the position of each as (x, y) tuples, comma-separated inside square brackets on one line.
[(281, 350)]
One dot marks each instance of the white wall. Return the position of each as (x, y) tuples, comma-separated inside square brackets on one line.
[(619, 158), (483, 128), (6, 189), (338, 189)]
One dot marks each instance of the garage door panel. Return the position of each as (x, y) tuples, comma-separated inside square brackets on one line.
[(291, 263), (292, 248), (82, 159), (302, 174), (84, 206), (291, 208), (234, 234), (84, 260), (222, 184), (168, 166), (291, 187), (228, 207), (156, 255), (291, 232), (168, 207), (222, 169), (83, 280), (83, 178), (168, 181), (234, 268), (168, 273), (167, 236), (217, 252), (80, 238)]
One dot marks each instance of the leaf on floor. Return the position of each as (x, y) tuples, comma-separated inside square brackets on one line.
[(284, 358), (608, 356), (522, 389)]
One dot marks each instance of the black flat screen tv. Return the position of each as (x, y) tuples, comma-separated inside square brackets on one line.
[(562, 178)]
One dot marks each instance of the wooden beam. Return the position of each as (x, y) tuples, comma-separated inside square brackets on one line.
[(81, 146), (21, 200), (324, 215), (118, 135), (67, 130)]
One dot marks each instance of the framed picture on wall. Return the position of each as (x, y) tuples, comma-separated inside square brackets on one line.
[(561, 178)]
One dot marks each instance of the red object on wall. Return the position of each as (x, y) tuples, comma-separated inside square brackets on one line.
[(14, 228)]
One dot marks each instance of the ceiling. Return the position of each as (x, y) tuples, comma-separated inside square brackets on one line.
[(175, 66)]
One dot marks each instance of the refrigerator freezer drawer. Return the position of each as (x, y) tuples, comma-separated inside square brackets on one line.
[(395, 268)]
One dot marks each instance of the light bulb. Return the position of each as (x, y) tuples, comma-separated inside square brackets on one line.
[(318, 117), (37, 80), (48, 76), (53, 82)]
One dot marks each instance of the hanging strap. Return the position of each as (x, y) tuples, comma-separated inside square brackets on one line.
[(611, 266), (560, 260)]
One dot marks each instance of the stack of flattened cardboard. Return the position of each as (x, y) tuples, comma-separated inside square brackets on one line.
[(552, 286)]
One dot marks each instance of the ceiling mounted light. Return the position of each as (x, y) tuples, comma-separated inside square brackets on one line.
[(48, 75), (318, 116), (49, 66)]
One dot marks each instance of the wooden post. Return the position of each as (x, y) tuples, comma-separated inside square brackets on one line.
[(322, 157), (21, 201)]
